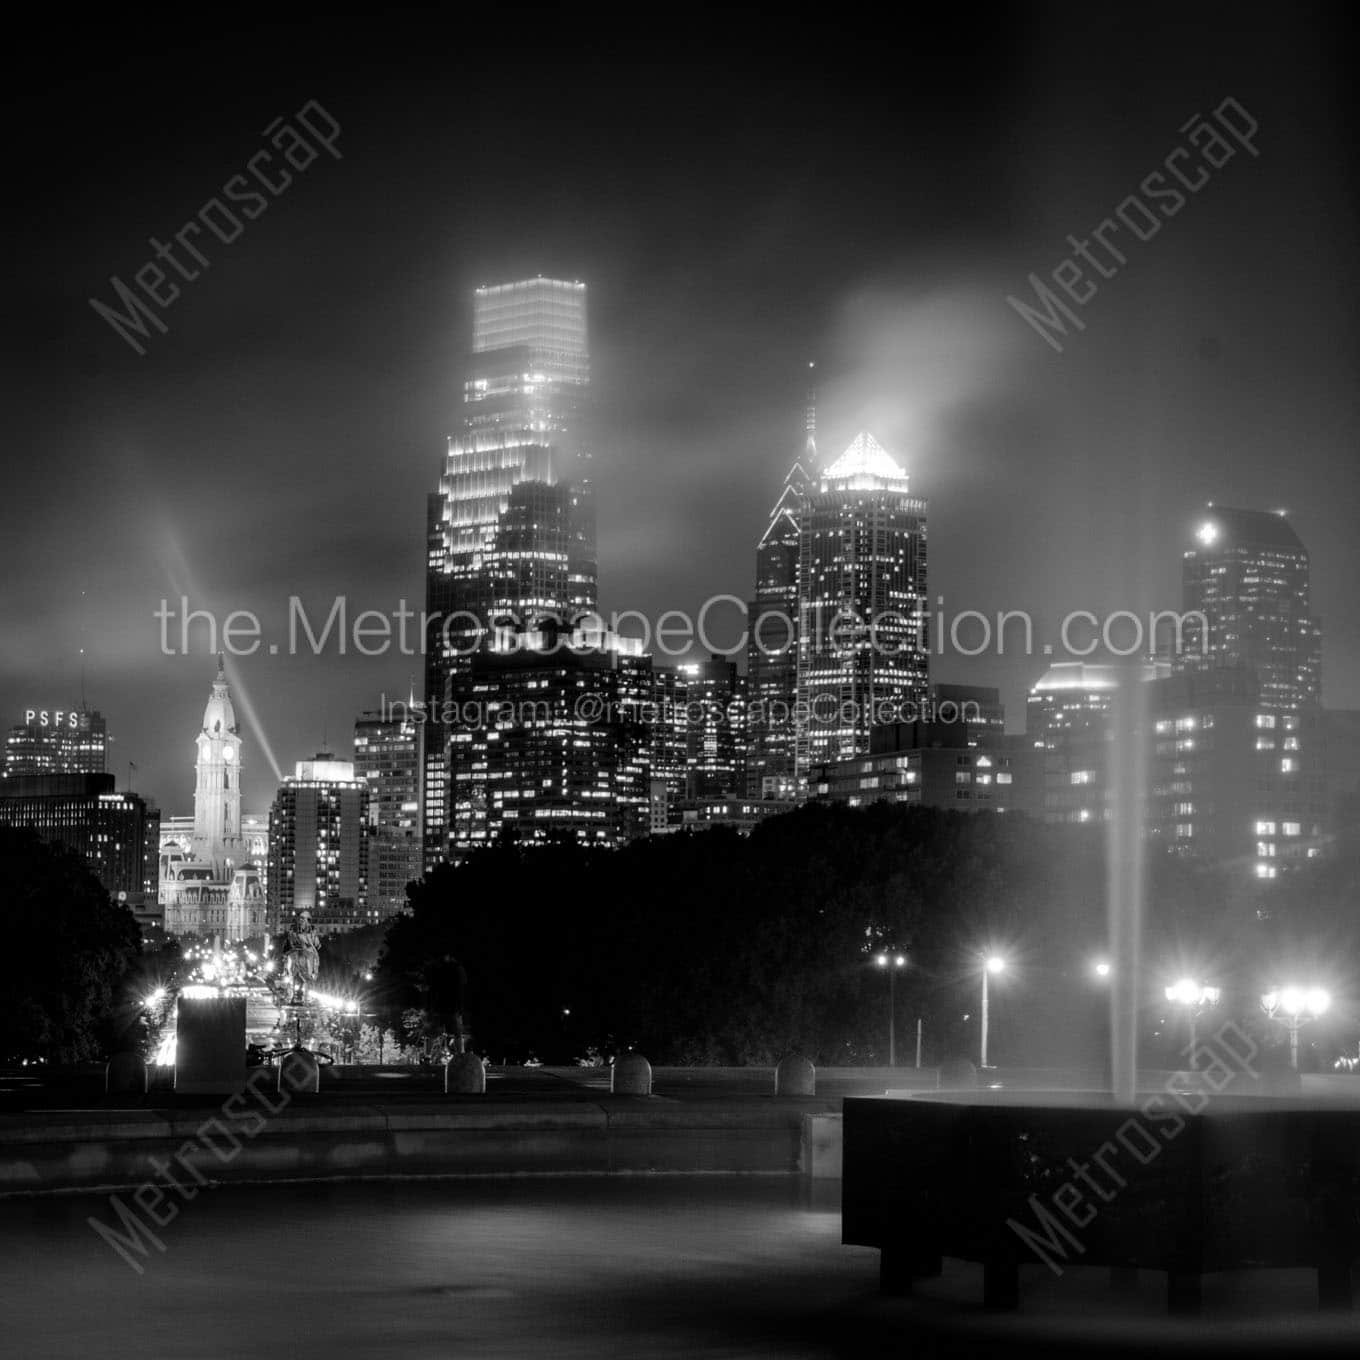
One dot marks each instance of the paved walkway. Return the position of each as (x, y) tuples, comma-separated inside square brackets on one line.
[(651, 1267)]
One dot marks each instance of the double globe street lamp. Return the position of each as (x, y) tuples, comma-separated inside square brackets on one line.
[(1195, 997), (1294, 1007)]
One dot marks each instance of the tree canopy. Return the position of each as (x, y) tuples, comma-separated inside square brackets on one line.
[(70, 947), (711, 947)]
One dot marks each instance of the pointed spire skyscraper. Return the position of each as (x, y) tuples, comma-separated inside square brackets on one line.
[(772, 652), (863, 645), (810, 421)]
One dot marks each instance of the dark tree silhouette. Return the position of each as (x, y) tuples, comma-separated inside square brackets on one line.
[(69, 949), (711, 947)]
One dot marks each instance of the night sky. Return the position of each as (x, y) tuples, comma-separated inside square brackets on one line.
[(739, 203)]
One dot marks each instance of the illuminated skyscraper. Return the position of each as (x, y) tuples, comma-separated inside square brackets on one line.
[(667, 714), (528, 563), (715, 728), (862, 635), (115, 832), (546, 315), (511, 531), (772, 651), (523, 405), (387, 749), (1232, 781), (1069, 722), (1248, 575), (562, 754), (57, 741), (318, 848)]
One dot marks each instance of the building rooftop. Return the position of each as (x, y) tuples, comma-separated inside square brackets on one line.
[(866, 462), (1222, 528)]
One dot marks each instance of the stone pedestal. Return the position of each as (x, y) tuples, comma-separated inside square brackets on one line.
[(958, 1074), (210, 1045), (795, 1076), (299, 1073), (126, 1074), (631, 1075), (464, 1075)]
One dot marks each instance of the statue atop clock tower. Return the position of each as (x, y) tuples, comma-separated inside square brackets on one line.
[(217, 789)]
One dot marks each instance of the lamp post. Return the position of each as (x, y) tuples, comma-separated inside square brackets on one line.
[(891, 963), (994, 963), (1294, 1007), (1194, 996)]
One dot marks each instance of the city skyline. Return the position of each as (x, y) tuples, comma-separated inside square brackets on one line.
[(276, 479), (718, 661)]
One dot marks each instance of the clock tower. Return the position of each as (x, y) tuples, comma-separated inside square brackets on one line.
[(217, 789)]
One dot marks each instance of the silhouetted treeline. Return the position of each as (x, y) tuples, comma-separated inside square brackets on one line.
[(709, 947), (69, 951)]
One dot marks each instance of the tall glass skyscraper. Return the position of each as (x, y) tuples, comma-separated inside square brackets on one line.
[(387, 751), (863, 647), (1248, 574), (772, 651), (319, 847), (559, 757), (511, 530)]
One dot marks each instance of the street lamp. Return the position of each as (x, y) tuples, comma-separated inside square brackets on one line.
[(1194, 996), (1102, 969), (1294, 1007), (891, 963), (994, 963)]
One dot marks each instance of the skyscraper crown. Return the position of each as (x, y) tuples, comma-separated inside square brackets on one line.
[(867, 464)]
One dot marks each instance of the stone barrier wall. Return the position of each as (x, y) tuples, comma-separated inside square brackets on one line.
[(71, 1150)]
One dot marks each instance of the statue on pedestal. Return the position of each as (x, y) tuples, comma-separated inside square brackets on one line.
[(301, 956)]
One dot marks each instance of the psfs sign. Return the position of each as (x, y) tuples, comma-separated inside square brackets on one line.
[(51, 717)]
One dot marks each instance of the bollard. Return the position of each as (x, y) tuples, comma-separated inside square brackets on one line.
[(124, 1073), (795, 1076), (631, 1075), (299, 1073), (958, 1074), (464, 1075)]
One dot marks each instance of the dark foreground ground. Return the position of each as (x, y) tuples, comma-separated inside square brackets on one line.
[(639, 1266)]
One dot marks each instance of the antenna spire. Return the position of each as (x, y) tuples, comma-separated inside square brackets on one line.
[(810, 417)]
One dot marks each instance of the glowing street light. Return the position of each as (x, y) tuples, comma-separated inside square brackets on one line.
[(891, 963), (993, 963), (1101, 969), (1294, 1007), (1195, 997)]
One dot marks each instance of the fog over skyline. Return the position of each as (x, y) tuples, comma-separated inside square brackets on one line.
[(280, 438)]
